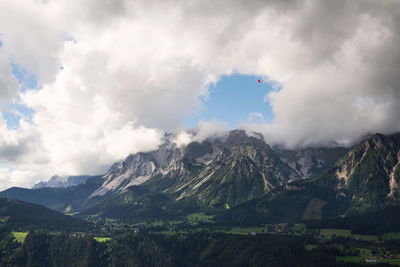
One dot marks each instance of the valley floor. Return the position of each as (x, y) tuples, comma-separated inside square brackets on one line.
[(323, 247), (207, 245)]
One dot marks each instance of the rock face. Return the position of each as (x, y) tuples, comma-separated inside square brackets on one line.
[(238, 171), (221, 170), (370, 171), (63, 181), (365, 179), (138, 168), (244, 168), (308, 162)]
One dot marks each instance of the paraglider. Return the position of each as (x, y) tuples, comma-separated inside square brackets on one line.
[(260, 82)]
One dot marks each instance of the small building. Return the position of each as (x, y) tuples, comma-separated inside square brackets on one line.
[(371, 260)]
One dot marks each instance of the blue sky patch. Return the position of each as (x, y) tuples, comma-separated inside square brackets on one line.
[(235, 99), (26, 80), (14, 112)]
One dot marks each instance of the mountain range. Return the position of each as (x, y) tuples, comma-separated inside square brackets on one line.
[(62, 181), (15, 213), (239, 178)]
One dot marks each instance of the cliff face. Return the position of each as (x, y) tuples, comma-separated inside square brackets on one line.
[(370, 171), (228, 169), (63, 181), (238, 171)]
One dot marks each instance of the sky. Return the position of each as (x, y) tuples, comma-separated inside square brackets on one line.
[(234, 99), (85, 83)]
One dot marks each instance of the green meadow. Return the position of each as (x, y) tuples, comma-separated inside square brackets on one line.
[(20, 236), (101, 239)]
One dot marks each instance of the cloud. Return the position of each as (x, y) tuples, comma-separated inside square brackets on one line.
[(19, 145), (206, 129), (255, 116), (182, 138), (203, 130), (352, 91), (114, 75), (8, 84), (32, 36)]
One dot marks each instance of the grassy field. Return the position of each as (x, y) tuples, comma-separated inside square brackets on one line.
[(365, 252), (301, 228), (310, 247), (244, 230), (102, 239), (328, 233), (20, 236), (389, 236), (367, 237), (360, 258), (348, 259), (156, 223), (199, 217)]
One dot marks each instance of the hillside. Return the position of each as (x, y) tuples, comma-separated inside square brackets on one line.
[(363, 180), (370, 173), (15, 213), (62, 181), (240, 178), (228, 169), (67, 199), (216, 173), (295, 201)]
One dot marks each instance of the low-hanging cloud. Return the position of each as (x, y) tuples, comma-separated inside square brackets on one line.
[(114, 75)]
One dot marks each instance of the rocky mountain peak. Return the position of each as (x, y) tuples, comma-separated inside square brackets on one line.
[(370, 170), (62, 181), (228, 168)]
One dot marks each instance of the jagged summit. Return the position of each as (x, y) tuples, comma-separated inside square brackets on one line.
[(370, 171), (241, 170), (229, 168), (62, 181)]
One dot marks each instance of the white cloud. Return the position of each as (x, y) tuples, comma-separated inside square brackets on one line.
[(134, 69), (31, 36), (255, 116), (182, 138), (8, 84), (203, 130), (206, 129)]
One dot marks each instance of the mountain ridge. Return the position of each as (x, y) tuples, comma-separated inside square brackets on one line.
[(360, 182), (62, 181), (204, 170), (241, 172), (16, 213)]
